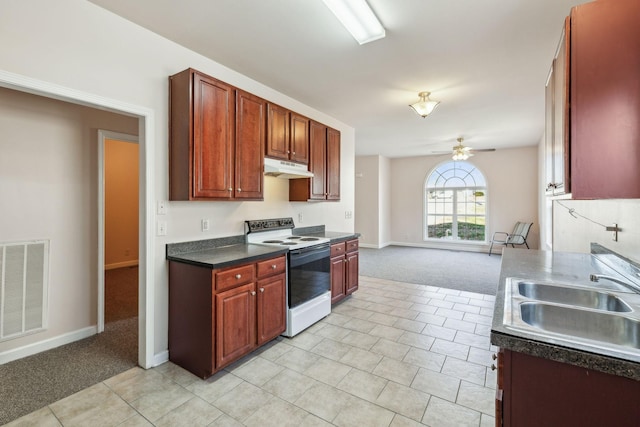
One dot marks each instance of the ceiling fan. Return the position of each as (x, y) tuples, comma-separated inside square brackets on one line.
[(462, 152)]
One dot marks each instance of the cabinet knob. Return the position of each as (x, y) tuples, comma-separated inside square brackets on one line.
[(239, 190), (293, 152), (494, 356), (238, 276), (253, 292), (229, 189), (493, 367), (261, 289), (289, 152), (274, 266)]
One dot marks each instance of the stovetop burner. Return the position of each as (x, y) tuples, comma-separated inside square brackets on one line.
[(279, 232)]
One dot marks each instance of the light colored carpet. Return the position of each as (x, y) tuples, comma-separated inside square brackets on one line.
[(466, 271)]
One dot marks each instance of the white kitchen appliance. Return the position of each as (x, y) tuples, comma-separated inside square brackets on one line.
[(308, 270)]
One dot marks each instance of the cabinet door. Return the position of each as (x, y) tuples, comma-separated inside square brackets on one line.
[(250, 140), (235, 323), (271, 308), (318, 160), (605, 100), (351, 275), (560, 118), (299, 138), (277, 132), (337, 278), (213, 138), (333, 164)]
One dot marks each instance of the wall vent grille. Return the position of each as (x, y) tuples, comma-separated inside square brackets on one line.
[(24, 269)]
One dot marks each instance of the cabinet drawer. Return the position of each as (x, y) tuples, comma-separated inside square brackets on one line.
[(352, 245), (337, 249), (271, 266), (234, 277)]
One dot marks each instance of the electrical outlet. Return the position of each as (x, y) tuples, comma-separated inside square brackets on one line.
[(205, 225), (162, 228), (162, 207), (300, 217), (348, 214)]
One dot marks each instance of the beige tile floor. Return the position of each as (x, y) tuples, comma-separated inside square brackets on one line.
[(393, 354)]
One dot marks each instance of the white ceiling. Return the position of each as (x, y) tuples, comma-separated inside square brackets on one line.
[(485, 60)]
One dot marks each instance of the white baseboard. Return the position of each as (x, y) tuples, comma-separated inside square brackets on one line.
[(160, 358), (122, 264), (466, 247), (369, 245), (48, 344)]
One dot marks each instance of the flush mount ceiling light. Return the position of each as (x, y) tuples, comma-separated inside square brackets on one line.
[(425, 106), (358, 18)]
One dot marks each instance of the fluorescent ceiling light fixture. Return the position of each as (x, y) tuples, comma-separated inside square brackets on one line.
[(358, 18)]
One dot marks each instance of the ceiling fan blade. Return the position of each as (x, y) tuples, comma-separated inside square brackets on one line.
[(483, 149)]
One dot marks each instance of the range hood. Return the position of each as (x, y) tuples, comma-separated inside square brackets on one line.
[(285, 170)]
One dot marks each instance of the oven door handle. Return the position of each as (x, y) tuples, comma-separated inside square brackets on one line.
[(313, 253)]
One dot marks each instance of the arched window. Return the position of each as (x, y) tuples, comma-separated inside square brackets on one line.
[(455, 201)]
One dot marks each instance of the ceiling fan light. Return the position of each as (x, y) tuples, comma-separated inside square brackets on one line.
[(425, 106), (358, 18)]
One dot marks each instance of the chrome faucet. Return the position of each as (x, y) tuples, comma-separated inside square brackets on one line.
[(597, 277)]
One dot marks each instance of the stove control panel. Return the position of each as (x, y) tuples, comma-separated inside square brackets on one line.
[(269, 224)]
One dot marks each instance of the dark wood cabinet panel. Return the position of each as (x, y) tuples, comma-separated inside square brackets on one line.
[(605, 99), (324, 163), (202, 115), (278, 132), (217, 135), (542, 392), (299, 138), (337, 278), (271, 308), (250, 137), (351, 275), (235, 323), (344, 269), (333, 164)]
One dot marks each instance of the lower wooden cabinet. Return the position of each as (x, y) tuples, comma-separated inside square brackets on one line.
[(218, 316), (534, 391), (344, 269)]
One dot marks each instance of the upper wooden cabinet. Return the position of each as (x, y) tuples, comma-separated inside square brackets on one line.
[(216, 137), (287, 135), (324, 163), (557, 164), (592, 140)]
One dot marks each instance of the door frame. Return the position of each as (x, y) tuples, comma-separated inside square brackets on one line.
[(103, 135), (146, 130)]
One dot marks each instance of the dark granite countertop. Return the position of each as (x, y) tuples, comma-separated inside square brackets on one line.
[(319, 231), (221, 252), (573, 268)]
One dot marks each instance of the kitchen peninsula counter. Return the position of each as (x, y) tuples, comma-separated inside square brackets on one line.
[(562, 268)]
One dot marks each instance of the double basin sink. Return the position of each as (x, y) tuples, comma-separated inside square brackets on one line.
[(575, 315)]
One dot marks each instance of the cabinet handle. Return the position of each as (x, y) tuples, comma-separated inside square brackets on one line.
[(493, 367), (274, 266), (261, 289), (238, 276), (253, 292)]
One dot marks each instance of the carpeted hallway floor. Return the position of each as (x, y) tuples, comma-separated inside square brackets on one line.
[(33, 382)]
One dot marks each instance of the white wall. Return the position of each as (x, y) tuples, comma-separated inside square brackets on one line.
[(75, 44), (571, 234), (512, 188), (48, 183), (373, 192)]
